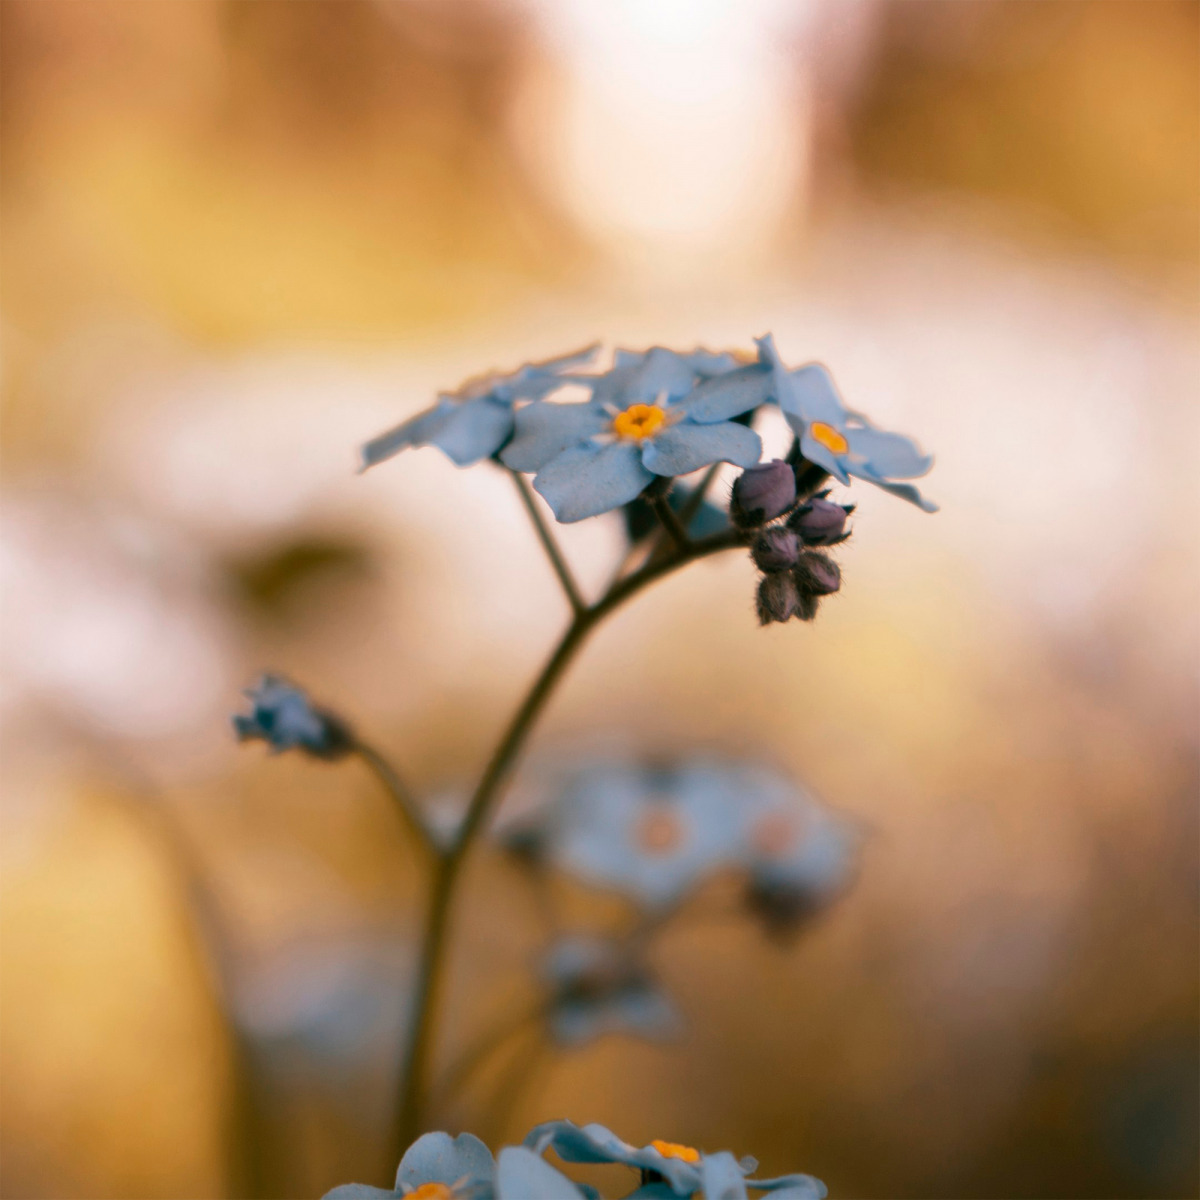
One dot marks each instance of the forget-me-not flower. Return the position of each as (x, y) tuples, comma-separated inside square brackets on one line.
[(435, 1167), (666, 1165), (649, 833), (283, 716), (595, 456), (597, 986), (838, 440), (472, 423)]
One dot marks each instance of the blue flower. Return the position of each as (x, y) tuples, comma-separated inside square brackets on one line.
[(283, 716), (838, 440), (653, 835), (439, 1167), (595, 456), (474, 422), (597, 987), (799, 855), (669, 1168)]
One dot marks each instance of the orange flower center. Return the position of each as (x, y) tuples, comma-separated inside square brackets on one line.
[(828, 437), (675, 1150), (659, 832), (430, 1191), (639, 421)]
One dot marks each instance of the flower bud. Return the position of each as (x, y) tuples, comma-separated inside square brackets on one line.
[(285, 718), (820, 522), (762, 493), (776, 549), (778, 598), (817, 575)]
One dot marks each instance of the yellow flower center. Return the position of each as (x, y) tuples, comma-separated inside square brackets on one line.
[(639, 421), (828, 437), (675, 1150), (430, 1191), (659, 832)]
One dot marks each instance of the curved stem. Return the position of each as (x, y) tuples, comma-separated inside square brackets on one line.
[(420, 1039), (670, 521), (480, 1050), (406, 802), (550, 545)]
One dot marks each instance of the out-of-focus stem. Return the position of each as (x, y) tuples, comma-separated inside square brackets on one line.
[(406, 802), (550, 545)]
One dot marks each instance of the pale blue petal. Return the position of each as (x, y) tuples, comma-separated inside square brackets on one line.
[(522, 1175), (545, 430), (905, 491), (728, 395), (782, 386), (416, 431), (791, 1187), (706, 362), (814, 396), (642, 379), (653, 1191), (358, 1191), (439, 1158), (687, 447), (588, 480), (887, 455), (721, 1177), (474, 431)]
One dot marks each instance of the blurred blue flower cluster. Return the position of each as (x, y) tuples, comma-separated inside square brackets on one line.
[(283, 716), (653, 414), (439, 1167)]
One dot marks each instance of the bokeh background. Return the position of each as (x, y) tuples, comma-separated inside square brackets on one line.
[(241, 236)]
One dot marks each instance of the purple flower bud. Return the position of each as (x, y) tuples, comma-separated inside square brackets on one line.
[(778, 598), (762, 493), (817, 575), (776, 549), (820, 522)]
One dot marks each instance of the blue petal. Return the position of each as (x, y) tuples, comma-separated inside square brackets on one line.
[(791, 1187), (643, 378), (814, 396), (416, 431), (652, 1191), (474, 431), (888, 455), (588, 480), (545, 430), (722, 1177), (905, 491), (439, 1158), (522, 1175), (686, 447), (728, 395), (358, 1191)]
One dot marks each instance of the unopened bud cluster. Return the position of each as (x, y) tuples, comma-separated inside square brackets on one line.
[(786, 535)]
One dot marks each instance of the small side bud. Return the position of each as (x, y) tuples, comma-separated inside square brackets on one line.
[(776, 549), (762, 493), (778, 598), (820, 522), (817, 575), (285, 718)]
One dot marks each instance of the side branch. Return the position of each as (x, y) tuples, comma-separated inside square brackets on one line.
[(401, 794), (550, 545)]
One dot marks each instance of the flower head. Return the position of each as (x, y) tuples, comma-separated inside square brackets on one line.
[(595, 456), (680, 1169), (651, 834), (282, 715), (435, 1167), (838, 440), (473, 422), (598, 987)]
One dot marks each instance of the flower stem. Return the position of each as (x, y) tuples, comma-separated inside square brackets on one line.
[(550, 545), (670, 521), (394, 785), (421, 1026)]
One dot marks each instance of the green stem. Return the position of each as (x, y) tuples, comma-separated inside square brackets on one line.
[(550, 545), (670, 521), (421, 1025), (401, 794)]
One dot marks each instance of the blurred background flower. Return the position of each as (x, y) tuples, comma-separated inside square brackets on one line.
[(240, 239)]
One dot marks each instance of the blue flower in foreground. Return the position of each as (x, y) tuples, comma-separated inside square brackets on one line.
[(597, 987), (439, 1167), (840, 441), (668, 1168), (799, 855), (595, 456), (283, 716), (652, 834), (474, 422)]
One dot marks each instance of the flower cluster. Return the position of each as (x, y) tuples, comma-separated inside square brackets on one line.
[(653, 414), (439, 1167), (785, 539)]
